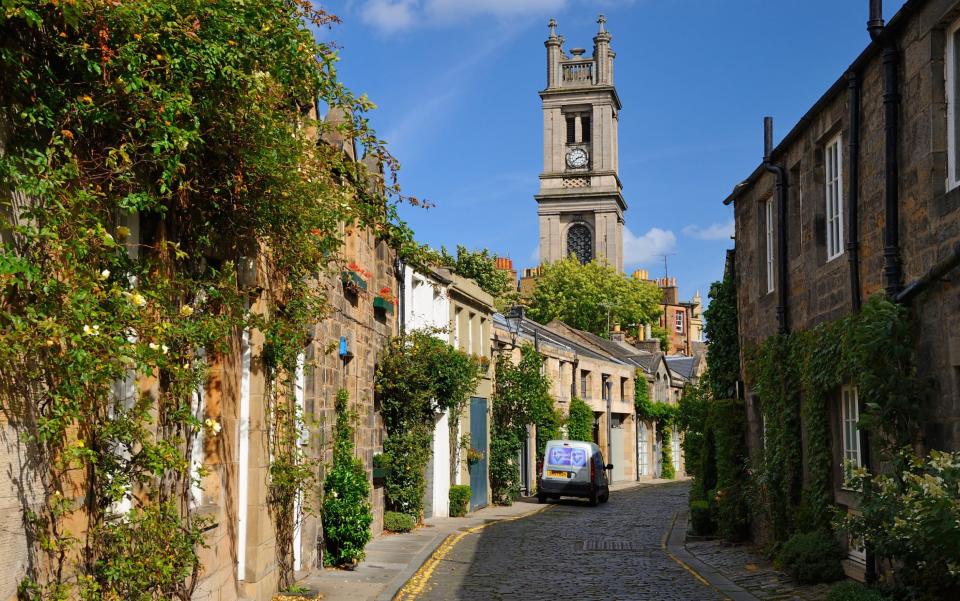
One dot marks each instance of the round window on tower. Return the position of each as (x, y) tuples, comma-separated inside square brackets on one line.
[(580, 243)]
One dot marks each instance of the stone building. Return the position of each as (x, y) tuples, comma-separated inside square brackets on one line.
[(578, 370), (664, 385), (361, 320), (862, 197), (580, 205)]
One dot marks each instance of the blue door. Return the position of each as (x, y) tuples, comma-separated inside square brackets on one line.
[(478, 440)]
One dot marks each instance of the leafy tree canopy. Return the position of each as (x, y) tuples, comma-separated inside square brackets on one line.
[(582, 295), (478, 265)]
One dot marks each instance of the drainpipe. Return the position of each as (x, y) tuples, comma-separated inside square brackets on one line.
[(781, 186), (853, 225), (891, 230), (399, 269), (891, 112)]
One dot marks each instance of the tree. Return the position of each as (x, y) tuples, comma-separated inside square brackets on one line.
[(478, 265), (593, 296)]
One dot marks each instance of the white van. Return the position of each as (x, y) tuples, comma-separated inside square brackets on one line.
[(573, 468)]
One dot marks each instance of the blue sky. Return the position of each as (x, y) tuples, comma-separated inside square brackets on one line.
[(456, 85)]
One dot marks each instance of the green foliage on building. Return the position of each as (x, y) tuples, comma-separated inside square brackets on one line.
[(580, 420), (418, 376), (521, 396)]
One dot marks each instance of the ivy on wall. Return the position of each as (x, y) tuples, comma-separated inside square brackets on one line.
[(580, 420), (795, 376)]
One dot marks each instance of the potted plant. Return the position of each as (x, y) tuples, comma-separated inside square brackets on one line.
[(355, 278), (385, 300)]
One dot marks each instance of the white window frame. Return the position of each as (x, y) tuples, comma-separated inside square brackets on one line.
[(850, 433), (643, 441), (679, 322), (771, 261), (952, 83), (833, 195)]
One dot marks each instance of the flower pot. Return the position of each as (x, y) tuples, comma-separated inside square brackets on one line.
[(383, 304)]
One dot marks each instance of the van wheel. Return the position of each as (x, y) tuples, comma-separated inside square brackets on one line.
[(541, 498), (593, 499)]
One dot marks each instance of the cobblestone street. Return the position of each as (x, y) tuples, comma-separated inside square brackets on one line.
[(571, 551)]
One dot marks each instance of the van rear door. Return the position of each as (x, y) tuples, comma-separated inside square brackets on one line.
[(566, 461)]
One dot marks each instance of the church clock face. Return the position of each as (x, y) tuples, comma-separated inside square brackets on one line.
[(577, 158)]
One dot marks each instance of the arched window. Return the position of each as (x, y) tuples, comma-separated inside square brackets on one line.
[(580, 242)]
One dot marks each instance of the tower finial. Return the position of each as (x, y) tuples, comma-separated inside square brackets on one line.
[(602, 21), (553, 28)]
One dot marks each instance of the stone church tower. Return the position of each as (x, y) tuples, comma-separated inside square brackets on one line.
[(580, 202)]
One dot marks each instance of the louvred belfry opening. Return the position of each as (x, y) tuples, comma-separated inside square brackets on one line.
[(580, 243)]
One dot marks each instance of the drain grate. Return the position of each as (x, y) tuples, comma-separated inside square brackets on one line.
[(612, 545)]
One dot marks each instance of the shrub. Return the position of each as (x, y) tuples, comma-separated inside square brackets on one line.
[(913, 519), (701, 518), (580, 421), (394, 521), (406, 453), (459, 500), (854, 591), (812, 557), (346, 509), (666, 456)]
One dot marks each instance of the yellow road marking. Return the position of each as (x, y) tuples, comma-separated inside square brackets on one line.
[(694, 573), (415, 586)]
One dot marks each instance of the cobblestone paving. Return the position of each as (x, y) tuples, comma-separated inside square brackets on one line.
[(573, 551), (748, 569)]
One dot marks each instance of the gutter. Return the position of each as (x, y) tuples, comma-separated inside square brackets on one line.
[(934, 274)]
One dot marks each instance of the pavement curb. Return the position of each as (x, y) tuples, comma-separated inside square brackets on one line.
[(674, 543), (434, 552)]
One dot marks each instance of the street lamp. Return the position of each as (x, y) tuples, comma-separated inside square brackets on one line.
[(514, 319)]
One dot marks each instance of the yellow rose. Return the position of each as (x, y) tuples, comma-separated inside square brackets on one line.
[(123, 232), (186, 310)]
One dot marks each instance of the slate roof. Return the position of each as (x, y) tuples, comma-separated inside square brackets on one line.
[(531, 330), (621, 351), (683, 365)]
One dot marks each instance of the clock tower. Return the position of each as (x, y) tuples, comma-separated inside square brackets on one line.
[(580, 205)]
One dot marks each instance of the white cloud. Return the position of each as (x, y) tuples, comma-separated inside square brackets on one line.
[(716, 231), (645, 248), (390, 16)]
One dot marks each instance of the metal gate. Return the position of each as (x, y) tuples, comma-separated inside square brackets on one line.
[(478, 440)]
